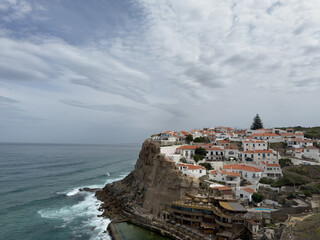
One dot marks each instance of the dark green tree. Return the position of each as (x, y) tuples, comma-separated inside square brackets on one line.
[(189, 138), (200, 151), (256, 197), (257, 123)]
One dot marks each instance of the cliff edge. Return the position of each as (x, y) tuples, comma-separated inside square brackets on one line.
[(154, 183)]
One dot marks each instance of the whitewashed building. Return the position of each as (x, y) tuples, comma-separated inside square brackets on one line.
[(250, 173), (192, 170)]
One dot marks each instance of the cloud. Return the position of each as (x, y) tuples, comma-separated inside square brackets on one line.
[(6, 100), (105, 108)]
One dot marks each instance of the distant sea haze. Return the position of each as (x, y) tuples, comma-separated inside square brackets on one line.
[(39, 185)]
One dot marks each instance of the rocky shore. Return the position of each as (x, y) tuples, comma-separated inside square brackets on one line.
[(150, 188)]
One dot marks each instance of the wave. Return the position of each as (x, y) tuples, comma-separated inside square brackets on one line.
[(82, 218)]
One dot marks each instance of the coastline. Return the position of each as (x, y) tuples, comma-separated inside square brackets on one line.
[(145, 192)]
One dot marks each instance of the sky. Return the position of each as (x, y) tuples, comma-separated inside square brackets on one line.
[(117, 71)]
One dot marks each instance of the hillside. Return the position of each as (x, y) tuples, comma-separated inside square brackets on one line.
[(309, 132)]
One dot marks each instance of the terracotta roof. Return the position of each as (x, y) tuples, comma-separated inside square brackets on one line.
[(222, 188), (248, 190), (233, 148), (191, 167), (213, 172), (272, 165), (190, 147), (242, 167), (214, 148), (265, 134), (233, 174), (223, 141)]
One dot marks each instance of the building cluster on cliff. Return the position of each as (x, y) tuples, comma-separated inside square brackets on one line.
[(230, 164)]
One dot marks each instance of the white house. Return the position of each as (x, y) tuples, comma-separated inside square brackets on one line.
[(244, 193), (187, 151), (231, 153), (271, 170), (192, 170), (231, 179), (311, 152), (215, 153), (270, 137), (249, 145), (251, 174), (269, 156), (298, 142)]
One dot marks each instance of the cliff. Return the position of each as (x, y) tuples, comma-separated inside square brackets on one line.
[(153, 184)]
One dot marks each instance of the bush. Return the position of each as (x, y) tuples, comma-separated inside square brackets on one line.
[(257, 197), (206, 165), (290, 180), (197, 158), (266, 180), (199, 139), (200, 151), (285, 162), (183, 160), (189, 138)]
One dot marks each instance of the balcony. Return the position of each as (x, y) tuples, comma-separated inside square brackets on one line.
[(228, 225)]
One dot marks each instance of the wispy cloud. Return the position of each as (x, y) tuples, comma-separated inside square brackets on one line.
[(105, 107)]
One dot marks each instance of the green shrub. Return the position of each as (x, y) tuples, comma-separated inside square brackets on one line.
[(257, 197), (266, 180), (285, 162), (197, 158), (206, 165)]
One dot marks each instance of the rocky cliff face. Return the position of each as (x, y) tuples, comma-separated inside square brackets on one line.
[(150, 187)]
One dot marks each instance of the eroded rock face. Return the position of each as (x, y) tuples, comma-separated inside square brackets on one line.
[(150, 187)]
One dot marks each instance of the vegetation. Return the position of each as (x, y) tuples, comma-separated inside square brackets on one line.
[(197, 158), (200, 151), (257, 197), (183, 160), (278, 145), (289, 179), (309, 132), (189, 138), (200, 139), (257, 123), (285, 162), (266, 180), (200, 154), (206, 165)]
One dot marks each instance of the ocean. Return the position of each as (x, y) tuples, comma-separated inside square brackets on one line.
[(39, 188)]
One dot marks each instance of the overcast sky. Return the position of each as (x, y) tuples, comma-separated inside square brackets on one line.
[(102, 71)]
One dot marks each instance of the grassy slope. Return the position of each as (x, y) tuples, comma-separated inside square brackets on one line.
[(309, 132), (308, 229)]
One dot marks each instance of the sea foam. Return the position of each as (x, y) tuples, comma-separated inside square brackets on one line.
[(82, 217)]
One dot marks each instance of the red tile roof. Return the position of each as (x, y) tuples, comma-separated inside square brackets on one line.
[(242, 167), (190, 166), (233, 174), (189, 147), (248, 190)]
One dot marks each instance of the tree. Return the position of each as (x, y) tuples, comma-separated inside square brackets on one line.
[(257, 123), (197, 158), (189, 138), (199, 139), (206, 165), (200, 151), (256, 197)]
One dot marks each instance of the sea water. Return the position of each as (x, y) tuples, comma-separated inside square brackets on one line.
[(39, 188)]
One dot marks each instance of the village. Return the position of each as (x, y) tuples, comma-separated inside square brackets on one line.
[(241, 193)]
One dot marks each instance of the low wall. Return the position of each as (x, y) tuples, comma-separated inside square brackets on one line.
[(162, 227)]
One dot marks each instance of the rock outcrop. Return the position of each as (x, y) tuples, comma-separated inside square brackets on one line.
[(150, 187)]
